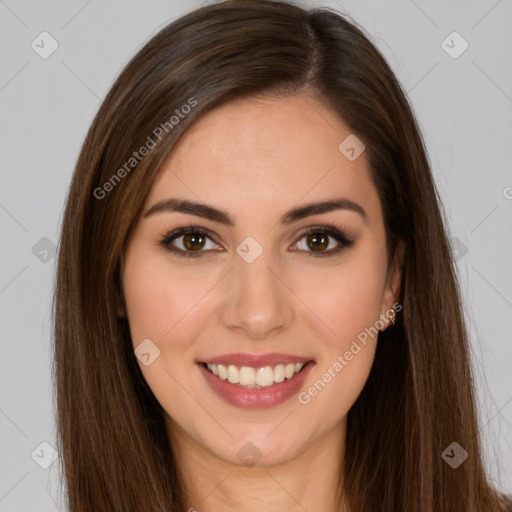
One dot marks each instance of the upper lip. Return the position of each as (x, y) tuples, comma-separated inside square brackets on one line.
[(256, 360)]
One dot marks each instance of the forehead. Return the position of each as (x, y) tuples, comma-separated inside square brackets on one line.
[(269, 152)]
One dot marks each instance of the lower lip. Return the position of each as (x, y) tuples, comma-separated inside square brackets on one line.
[(262, 398)]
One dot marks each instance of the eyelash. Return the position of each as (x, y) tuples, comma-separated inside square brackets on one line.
[(339, 236)]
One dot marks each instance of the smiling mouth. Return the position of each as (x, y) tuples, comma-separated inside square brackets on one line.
[(255, 378)]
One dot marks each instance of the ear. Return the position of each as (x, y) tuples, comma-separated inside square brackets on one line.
[(393, 282)]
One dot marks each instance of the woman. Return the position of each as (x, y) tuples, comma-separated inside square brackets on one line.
[(256, 305)]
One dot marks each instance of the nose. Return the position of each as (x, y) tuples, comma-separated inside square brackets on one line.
[(259, 304)]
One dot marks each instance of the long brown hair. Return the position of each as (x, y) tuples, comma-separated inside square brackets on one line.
[(419, 396)]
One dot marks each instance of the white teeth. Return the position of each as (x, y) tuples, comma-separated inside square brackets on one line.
[(265, 376), (255, 377), (213, 368), (247, 376), (223, 371), (233, 374), (279, 373)]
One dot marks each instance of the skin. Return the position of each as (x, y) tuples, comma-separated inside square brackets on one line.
[(256, 159)]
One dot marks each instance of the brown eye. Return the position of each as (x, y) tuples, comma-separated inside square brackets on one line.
[(323, 241), (317, 241), (189, 241), (194, 241)]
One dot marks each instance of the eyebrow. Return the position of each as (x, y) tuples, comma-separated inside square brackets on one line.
[(214, 214)]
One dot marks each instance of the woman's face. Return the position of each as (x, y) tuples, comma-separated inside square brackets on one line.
[(283, 262)]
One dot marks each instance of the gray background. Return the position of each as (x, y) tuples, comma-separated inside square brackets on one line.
[(464, 107)]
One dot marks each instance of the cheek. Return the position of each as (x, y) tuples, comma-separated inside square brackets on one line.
[(160, 307), (350, 310), (150, 307), (158, 300), (347, 300)]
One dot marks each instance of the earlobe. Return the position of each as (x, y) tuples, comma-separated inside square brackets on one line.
[(390, 304), (392, 316)]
